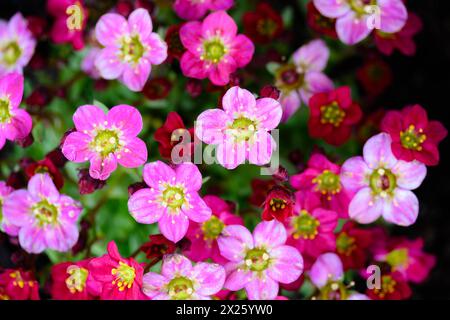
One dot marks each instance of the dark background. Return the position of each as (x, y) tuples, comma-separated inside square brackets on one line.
[(422, 79)]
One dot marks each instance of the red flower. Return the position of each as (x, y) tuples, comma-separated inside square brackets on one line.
[(352, 245), (119, 278), (260, 189), (73, 281), (414, 137), (16, 284), (269, 91), (263, 25), (375, 76), (87, 184), (157, 247), (157, 88), (332, 115), (175, 48), (319, 23), (45, 166), (402, 40), (279, 204), (172, 133), (393, 287)]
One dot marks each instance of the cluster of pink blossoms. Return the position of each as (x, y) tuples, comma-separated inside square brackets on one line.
[(313, 223)]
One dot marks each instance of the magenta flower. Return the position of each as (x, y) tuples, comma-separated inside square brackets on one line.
[(214, 50), (382, 184), (303, 76), (5, 225), (179, 280), (355, 20), (16, 44), (260, 261), (106, 140), (241, 130), (46, 219), (322, 180), (130, 48), (194, 10), (203, 236), (327, 274), (15, 123), (172, 199)]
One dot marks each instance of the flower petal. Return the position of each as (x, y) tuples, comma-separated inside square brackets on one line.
[(76, 147), (173, 225), (237, 100), (144, 207), (135, 77), (262, 289), (268, 113), (158, 49), (87, 117), (156, 172), (210, 126), (125, 118), (403, 209), (11, 86), (332, 8), (352, 29), (188, 174), (393, 15), (312, 56), (234, 242), (101, 168), (174, 265), (210, 276), (261, 147), (219, 24), (377, 152), (363, 208), (287, 266), (20, 125), (32, 239), (152, 283), (198, 211), (354, 173), (269, 234), (134, 154), (409, 174), (230, 154), (140, 22), (327, 265), (110, 28)]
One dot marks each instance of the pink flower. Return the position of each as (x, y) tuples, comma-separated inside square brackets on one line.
[(15, 123), (302, 77), (260, 261), (322, 179), (171, 200), (5, 225), (311, 227), (382, 184), (241, 130), (179, 280), (17, 284), (73, 281), (327, 274), (119, 278), (203, 236), (214, 50), (46, 219), (408, 258), (194, 9), (402, 40), (60, 33), (130, 48), (16, 44), (106, 140), (356, 19)]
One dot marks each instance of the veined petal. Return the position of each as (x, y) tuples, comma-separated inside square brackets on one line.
[(110, 28), (403, 209), (173, 225), (364, 208), (377, 152), (312, 56), (144, 207), (269, 234), (409, 174), (287, 266), (174, 265)]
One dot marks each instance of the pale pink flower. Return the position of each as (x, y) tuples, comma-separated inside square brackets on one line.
[(130, 48), (106, 140), (5, 226), (179, 280), (241, 129)]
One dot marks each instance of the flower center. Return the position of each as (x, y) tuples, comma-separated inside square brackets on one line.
[(359, 5), (105, 142), (76, 281), (398, 258), (132, 49), (332, 114), (180, 288), (173, 197), (124, 276), (266, 27), (345, 244), (334, 290), (412, 139), (5, 114), (257, 259), (288, 79), (18, 280), (213, 50), (277, 204), (11, 53), (383, 182), (45, 213), (387, 286), (243, 129), (212, 228), (327, 183), (305, 226)]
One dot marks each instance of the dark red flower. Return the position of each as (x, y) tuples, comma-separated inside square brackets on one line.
[(414, 137), (157, 88), (27, 141), (175, 48), (132, 188), (157, 247), (45, 166), (36, 25), (87, 184), (375, 76), (260, 188), (57, 157), (332, 115), (269, 91), (319, 23), (194, 87), (279, 204), (352, 245), (82, 238), (172, 133), (402, 40), (124, 7), (16, 284), (38, 98), (393, 287), (264, 24)]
